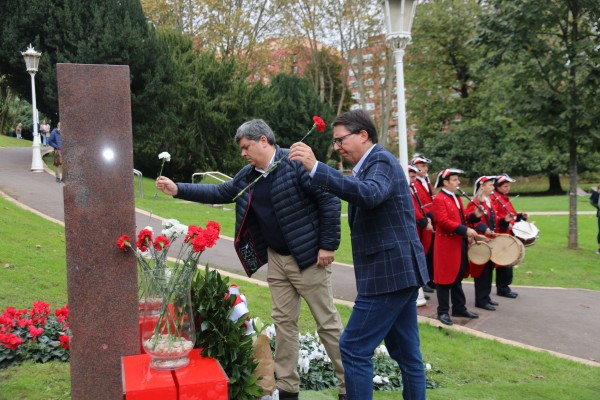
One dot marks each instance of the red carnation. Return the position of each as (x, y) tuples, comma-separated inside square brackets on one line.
[(161, 242), (144, 239), (124, 242), (319, 123)]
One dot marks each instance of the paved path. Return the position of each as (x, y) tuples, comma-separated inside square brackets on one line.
[(565, 321)]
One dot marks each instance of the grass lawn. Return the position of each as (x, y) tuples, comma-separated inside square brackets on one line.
[(465, 367), (6, 141)]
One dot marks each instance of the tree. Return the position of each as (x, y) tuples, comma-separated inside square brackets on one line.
[(199, 102), (555, 44), (294, 103)]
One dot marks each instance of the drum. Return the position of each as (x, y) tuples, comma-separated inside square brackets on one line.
[(507, 250), (526, 232), (479, 253)]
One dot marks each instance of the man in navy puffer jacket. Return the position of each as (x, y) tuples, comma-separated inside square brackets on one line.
[(295, 227)]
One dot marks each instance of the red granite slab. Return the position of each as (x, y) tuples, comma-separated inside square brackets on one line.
[(95, 116)]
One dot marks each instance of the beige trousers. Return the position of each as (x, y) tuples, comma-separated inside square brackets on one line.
[(288, 283)]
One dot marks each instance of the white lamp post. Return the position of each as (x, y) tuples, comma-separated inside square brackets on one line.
[(32, 60), (399, 15)]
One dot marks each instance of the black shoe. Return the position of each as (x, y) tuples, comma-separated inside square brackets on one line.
[(426, 297), (494, 303), (341, 396), (287, 395), (488, 307), (57, 179), (465, 314), (510, 295), (427, 289), (445, 319)]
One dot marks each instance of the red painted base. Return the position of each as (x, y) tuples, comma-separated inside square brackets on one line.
[(202, 379)]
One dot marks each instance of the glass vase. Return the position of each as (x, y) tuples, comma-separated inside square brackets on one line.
[(168, 332)]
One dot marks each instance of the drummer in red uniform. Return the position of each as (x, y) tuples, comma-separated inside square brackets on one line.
[(426, 195), (483, 217), (507, 217), (450, 247), (423, 222)]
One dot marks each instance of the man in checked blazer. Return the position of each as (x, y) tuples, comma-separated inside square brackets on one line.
[(389, 262)]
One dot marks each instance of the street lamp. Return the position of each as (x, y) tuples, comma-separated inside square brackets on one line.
[(399, 15), (32, 60)]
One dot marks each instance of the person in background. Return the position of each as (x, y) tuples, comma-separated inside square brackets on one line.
[(504, 275), (426, 195), (450, 263), (55, 142), (295, 227), (594, 199), (423, 223), (483, 217), (19, 131), (44, 132), (389, 262)]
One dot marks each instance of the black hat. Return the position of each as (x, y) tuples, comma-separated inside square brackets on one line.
[(500, 179), (445, 174), (417, 159), (480, 181)]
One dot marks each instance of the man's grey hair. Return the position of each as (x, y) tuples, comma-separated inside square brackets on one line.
[(253, 130)]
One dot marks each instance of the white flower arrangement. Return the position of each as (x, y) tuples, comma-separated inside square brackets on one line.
[(316, 370)]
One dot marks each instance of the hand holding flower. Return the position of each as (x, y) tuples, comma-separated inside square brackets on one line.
[(166, 186), (303, 153)]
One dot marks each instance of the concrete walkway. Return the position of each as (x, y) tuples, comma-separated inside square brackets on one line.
[(556, 320)]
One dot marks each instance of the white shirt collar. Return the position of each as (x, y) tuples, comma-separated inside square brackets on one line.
[(264, 171)]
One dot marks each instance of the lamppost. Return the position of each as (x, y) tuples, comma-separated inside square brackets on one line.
[(399, 15), (32, 60)]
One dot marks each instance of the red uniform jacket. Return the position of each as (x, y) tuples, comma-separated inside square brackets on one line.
[(503, 226), (421, 219), (450, 231), (488, 220), (425, 194)]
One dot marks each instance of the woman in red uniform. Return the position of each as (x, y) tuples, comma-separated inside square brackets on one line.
[(507, 217), (450, 247), (423, 222), (482, 215), (426, 195)]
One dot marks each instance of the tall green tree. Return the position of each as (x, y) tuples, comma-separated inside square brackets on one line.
[(199, 101), (294, 103), (555, 44)]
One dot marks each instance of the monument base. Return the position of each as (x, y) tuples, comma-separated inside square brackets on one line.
[(202, 379)]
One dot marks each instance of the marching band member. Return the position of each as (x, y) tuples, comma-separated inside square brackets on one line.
[(507, 217), (426, 195), (450, 247), (483, 215), (423, 223)]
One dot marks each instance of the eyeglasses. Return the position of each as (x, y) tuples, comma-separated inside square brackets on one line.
[(339, 140)]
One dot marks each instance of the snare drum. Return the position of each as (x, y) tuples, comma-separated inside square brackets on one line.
[(526, 232), (479, 253), (507, 250)]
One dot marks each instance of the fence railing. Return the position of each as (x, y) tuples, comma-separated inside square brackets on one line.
[(219, 176), (140, 180)]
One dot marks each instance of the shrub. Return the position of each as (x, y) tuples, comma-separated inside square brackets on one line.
[(34, 334)]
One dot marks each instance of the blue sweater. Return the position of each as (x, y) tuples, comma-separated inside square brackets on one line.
[(55, 140)]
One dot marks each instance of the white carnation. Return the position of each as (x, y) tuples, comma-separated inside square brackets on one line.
[(164, 155)]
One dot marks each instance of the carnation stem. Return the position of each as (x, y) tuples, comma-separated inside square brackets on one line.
[(155, 192)]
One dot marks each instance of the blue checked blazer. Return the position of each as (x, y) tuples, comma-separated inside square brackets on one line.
[(386, 250)]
